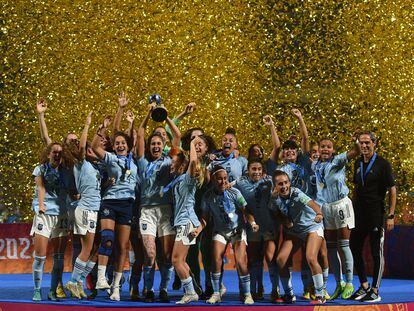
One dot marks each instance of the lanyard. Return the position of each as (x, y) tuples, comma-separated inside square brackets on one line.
[(127, 160), (57, 173), (151, 167), (224, 160), (298, 168), (172, 183), (370, 164)]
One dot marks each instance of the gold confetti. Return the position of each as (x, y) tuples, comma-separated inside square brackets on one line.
[(344, 64)]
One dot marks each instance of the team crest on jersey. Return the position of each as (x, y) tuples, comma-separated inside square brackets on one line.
[(40, 227), (91, 224), (106, 212), (144, 226)]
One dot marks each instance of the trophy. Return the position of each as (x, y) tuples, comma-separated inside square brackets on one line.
[(159, 113)]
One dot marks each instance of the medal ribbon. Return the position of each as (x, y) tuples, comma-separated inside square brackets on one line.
[(298, 168), (172, 183), (58, 173), (151, 167), (370, 164), (127, 159)]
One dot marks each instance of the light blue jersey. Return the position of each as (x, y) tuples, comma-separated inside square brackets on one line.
[(225, 209), (124, 173), (299, 212), (235, 167), (300, 173), (184, 200), (54, 201), (257, 196), (155, 176), (88, 182), (331, 179)]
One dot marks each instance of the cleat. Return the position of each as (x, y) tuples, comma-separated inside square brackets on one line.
[(259, 295), (371, 296), (338, 290), (207, 293), (215, 298), (327, 297), (275, 295), (286, 298), (348, 290), (81, 291), (93, 294), (223, 290), (73, 289), (102, 284), (150, 296), (60, 292), (360, 293), (52, 296), (163, 296), (248, 299), (187, 298), (115, 296), (37, 295), (307, 292), (134, 294), (318, 300)]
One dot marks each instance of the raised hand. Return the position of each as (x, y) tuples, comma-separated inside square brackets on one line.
[(130, 116), (190, 108), (106, 121), (267, 120), (296, 113), (89, 118), (122, 100), (41, 106)]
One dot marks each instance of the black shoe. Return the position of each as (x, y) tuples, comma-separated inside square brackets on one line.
[(164, 296), (207, 293), (371, 296), (150, 296), (360, 293), (286, 299)]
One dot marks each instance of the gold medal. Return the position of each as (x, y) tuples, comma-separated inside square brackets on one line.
[(321, 184)]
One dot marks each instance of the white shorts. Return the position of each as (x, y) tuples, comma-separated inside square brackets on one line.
[(50, 226), (156, 220), (232, 236), (183, 234), (261, 236), (85, 221), (339, 214)]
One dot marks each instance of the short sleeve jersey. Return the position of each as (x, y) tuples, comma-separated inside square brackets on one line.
[(88, 183), (124, 179), (225, 209), (54, 201), (235, 167), (331, 179), (184, 201), (257, 195)]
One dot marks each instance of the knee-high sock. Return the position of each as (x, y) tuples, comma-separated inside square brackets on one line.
[(37, 270), (349, 260), (215, 282), (287, 283), (318, 283), (254, 276), (274, 275), (166, 274), (89, 267), (325, 274), (188, 285), (116, 279), (148, 278), (245, 284), (56, 271), (78, 269), (334, 260)]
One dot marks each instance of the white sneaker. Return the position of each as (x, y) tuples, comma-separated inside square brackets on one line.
[(248, 299), (223, 290), (73, 289), (115, 294), (187, 298), (102, 284), (215, 298)]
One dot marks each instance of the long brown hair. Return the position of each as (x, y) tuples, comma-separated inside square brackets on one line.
[(68, 160)]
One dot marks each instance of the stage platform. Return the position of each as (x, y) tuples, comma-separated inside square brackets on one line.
[(16, 293)]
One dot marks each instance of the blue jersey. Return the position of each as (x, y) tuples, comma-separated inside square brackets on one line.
[(155, 176), (225, 208), (296, 208), (235, 167), (88, 183), (270, 166), (331, 179), (257, 195), (54, 201), (184, 200), (124, 174), (299, 173)]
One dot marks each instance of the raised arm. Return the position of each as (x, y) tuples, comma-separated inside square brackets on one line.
[(96, 142), (303, 131), (84, 136), (41, 107), (130, 131), (356, 150), (140, 148), (189, 108), (175, 133), (122, 103), (274, 155), (192, 167)]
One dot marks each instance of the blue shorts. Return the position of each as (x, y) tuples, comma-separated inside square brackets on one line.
[(118, 210)]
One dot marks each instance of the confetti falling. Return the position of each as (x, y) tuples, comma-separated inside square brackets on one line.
[(344, 64)]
